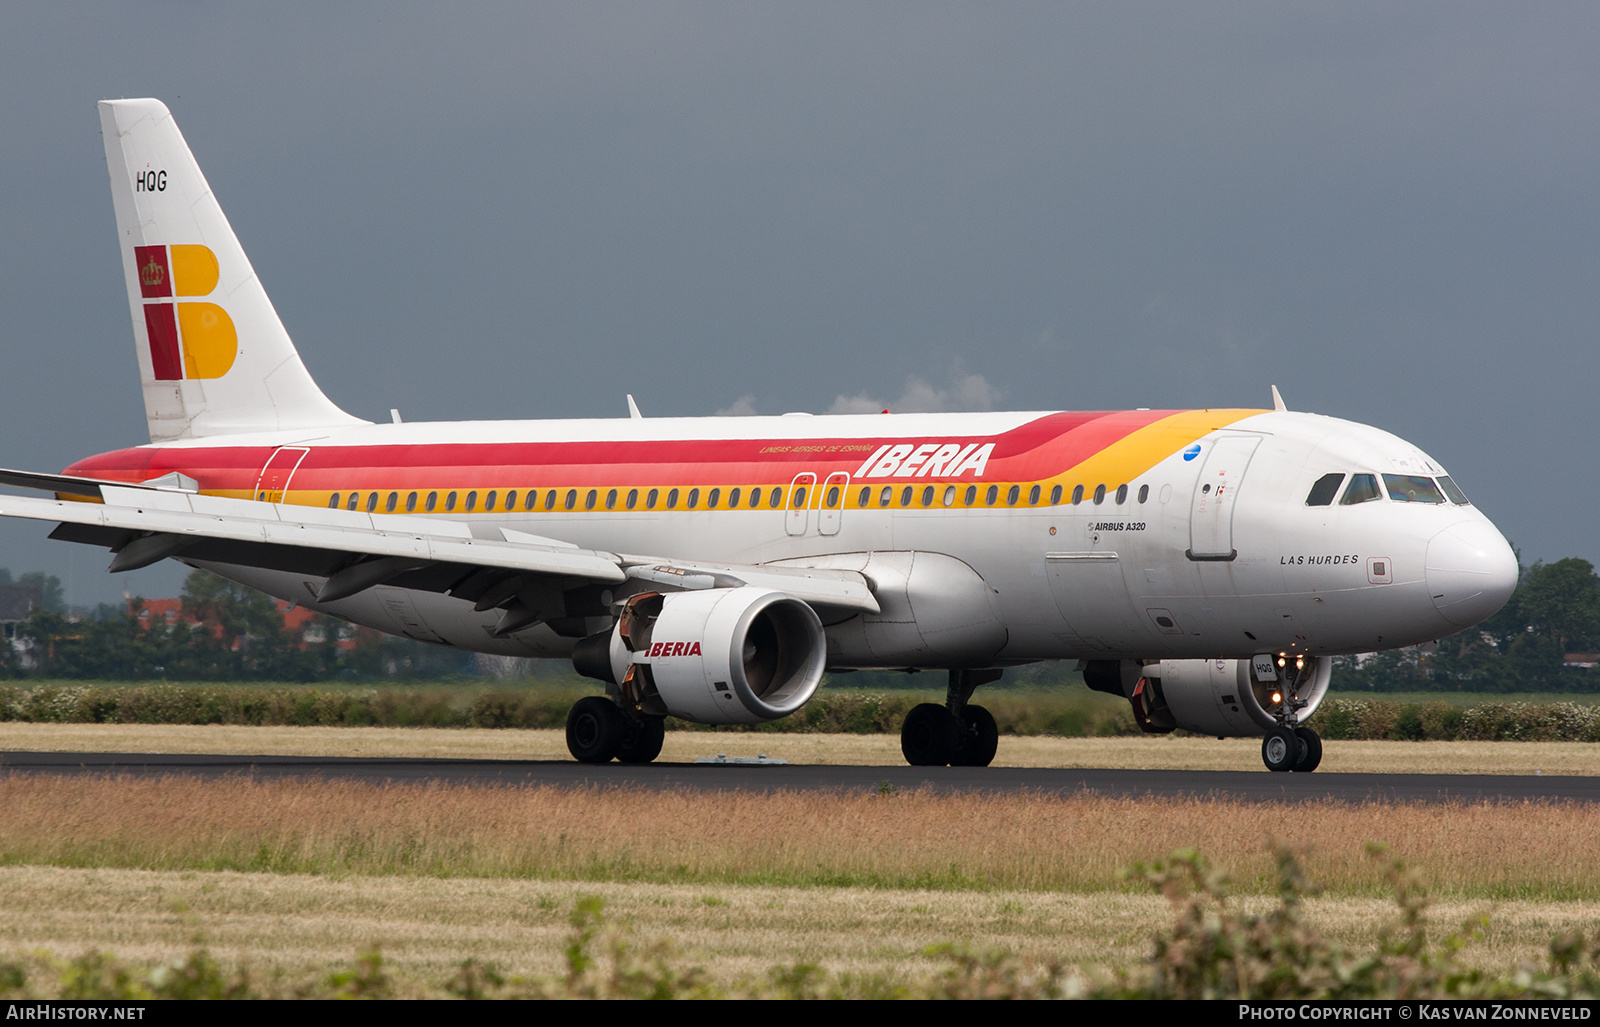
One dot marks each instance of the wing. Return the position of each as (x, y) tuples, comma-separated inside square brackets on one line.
[(353, 551)]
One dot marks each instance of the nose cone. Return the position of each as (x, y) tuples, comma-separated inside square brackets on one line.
[(1471, 572)]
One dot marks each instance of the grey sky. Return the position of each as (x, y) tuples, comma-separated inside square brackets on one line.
[(474, 210)]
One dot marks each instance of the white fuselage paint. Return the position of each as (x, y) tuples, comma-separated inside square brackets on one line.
[(1087, 581)]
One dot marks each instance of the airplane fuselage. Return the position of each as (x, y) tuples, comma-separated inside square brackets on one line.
[(1003, 537)]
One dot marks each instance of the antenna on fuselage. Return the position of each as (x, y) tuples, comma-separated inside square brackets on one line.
[(1277, 400), (633, 409)]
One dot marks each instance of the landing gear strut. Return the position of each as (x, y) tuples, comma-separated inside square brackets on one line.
[(598, 731), (1299, 750), (955, 734)]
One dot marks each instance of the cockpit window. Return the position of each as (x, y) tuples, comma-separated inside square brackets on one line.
[(1457, 497), (1412, 488), (1363, 489), (1324, 490)]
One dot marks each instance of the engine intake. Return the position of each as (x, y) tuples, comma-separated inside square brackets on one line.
[(717, 656), (1228, 698)]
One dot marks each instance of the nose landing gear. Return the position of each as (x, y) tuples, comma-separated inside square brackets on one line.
[(1298, 750), (955, 734)]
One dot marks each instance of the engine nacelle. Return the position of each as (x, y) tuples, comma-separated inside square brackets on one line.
[(1227, 698), (717, 656)]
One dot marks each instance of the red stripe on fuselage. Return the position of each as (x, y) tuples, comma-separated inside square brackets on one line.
[(1035, 450)]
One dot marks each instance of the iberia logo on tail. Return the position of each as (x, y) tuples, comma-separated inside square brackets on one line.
[(188, 340)]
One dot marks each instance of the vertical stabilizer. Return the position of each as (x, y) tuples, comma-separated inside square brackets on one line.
[(213, 357)]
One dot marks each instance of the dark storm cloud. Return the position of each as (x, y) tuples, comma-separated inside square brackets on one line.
[(526, 211)]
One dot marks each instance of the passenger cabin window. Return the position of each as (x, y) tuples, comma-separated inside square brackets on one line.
[(1077, 495), (862, 499), (333, 504), (672, 499), (927, 495), (388, 504), (905, 496), (1055, 495), (572, 499), (1011, 495), (511, 500), (488, 501), (777, 498), (949, 495), (1324, 490), (733, 500), (650, 498), (550, 500), (633, 498), (1099, 494), (1122, 494), (472, 501), (972, 495), (588, 500), (1412, 488), (990, 496), (1033, 496), (1144, 493), (1457, 497), (712, 497), (533, 499), (411, 502), (694, 498), (433, 501), (354, 501), (611, 500), (1363, 488)]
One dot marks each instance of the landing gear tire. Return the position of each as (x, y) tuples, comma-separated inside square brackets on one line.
[(596, 728), (930, 737), (980, 737), (642, 742), (1310, 750), (1280, 750)]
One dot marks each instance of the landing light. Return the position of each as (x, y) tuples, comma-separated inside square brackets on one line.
[(1277, 697)]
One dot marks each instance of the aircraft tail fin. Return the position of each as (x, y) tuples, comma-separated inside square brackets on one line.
[(214, 358)]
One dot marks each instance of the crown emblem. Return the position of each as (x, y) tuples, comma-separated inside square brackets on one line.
[(152, 273)]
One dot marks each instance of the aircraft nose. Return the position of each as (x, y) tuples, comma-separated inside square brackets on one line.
[(1470, 571)]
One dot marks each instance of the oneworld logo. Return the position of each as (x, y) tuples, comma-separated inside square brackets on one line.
[(1192, 452)]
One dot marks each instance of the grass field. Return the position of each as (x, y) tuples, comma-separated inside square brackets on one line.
[(293, 930), (293, 879)]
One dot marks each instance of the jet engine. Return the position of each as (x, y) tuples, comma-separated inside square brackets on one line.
[(1226, 698), (717, 656)]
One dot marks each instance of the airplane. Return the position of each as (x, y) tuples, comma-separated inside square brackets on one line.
[(1205, 565)]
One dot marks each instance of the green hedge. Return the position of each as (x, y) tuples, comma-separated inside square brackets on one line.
[(1071, 713)]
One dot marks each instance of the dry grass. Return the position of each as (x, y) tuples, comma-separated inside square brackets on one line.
[(861, 750), (909, 840), (297, 928)]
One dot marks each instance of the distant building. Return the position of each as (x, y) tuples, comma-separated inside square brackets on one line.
[(1588, 661), (306, 624), (16, 602)]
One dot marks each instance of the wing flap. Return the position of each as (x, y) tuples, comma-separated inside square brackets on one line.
[(206, 517)]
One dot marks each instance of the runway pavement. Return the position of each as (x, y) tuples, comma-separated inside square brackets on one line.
[(1257, 786)]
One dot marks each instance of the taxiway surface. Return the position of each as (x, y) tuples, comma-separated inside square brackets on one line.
[(1257, 786)]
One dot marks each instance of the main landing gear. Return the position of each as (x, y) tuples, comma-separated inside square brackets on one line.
[(1298, 749), (955, 734), (599, 731)]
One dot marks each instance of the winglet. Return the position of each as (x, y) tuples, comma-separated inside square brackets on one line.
[(1277, 400), (633, 409)]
